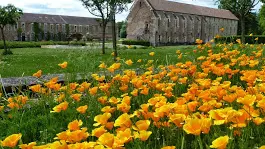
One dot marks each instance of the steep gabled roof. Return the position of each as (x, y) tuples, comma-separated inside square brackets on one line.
[(57, 19), (164, 5)]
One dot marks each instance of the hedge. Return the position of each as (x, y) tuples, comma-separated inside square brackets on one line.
[(20, 44), (136, 42), (248, 39)]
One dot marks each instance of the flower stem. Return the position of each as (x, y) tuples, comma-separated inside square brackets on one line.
[(200, 142), (182, 142)]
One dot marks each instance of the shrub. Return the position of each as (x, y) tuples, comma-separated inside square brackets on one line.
[(77, 43), (19, 44), (136, 42), (248, 39)]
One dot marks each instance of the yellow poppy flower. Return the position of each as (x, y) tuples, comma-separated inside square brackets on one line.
[(11, 141), (82, 109), (37, 74), (63, 65), (220, 143)]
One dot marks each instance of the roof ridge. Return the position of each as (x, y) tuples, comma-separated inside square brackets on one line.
[(195, 5), (60, 15), (178, 7)]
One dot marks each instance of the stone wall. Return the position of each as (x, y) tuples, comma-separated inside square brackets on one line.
[(28, 34), (165, 28), (140, 23)]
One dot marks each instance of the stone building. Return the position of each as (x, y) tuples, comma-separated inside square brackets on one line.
[(53, 27), (166, 22)]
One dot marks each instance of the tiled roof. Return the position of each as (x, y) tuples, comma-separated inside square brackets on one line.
[(58, 19), (171, 6)]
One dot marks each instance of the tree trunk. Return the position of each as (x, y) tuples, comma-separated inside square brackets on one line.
[(242, 29), (103, 36), (114, 42), (3, 36)]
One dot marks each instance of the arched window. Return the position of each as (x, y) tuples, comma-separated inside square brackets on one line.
[(146, 30)]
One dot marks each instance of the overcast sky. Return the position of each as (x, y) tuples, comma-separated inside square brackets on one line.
[(75, 8)]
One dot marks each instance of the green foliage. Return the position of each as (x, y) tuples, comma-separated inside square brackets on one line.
[(18, 44), (59, 36), (248, 39), (76, 36), (123, 32), (67, 30), (77, 43), (48, 36), (36, 30), (8, 15), (241, 9), (136, 42), (252, 24), (261, 17)]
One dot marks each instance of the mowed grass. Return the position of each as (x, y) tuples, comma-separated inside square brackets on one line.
[(26, 61)]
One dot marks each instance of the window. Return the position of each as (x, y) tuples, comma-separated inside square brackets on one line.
[(23, 25), (51, 27), (45, 27), (159, 38), (57, 28), (146, 30), (15, 27), (80, 29), (63, 28), (184, 23), (168, 21), (75, 28), (140, 4), (158, 23), (166, 38), (32, 27)]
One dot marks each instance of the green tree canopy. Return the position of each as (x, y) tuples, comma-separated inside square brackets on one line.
[(240, 8), (102, 9), (261, 17), (9, 15)]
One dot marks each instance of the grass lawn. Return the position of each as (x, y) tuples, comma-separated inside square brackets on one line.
[(26, 61)]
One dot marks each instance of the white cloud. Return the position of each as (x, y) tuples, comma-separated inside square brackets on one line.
[(75, 7)]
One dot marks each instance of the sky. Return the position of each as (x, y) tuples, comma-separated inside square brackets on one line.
[(75, 7)]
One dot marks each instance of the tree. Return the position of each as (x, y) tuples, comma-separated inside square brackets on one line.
[(119, 26), (252, 24), (99, 8), (123, 32), (240, 8), (117, 6), (9, 15), (261, 17)]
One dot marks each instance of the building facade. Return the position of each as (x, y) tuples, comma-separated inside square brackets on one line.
[(32, 27), (165, 22)]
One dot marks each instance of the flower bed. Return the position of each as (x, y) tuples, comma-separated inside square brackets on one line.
[(215, 101)]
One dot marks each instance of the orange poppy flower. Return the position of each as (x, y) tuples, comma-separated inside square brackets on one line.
[(220, 143), (75, 125), (82, 109), (123, 121), (27, 146), (37, 74), (107, 139), (11, 141), (99, 131), (61, 107), (76, 97), (63, 65)]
